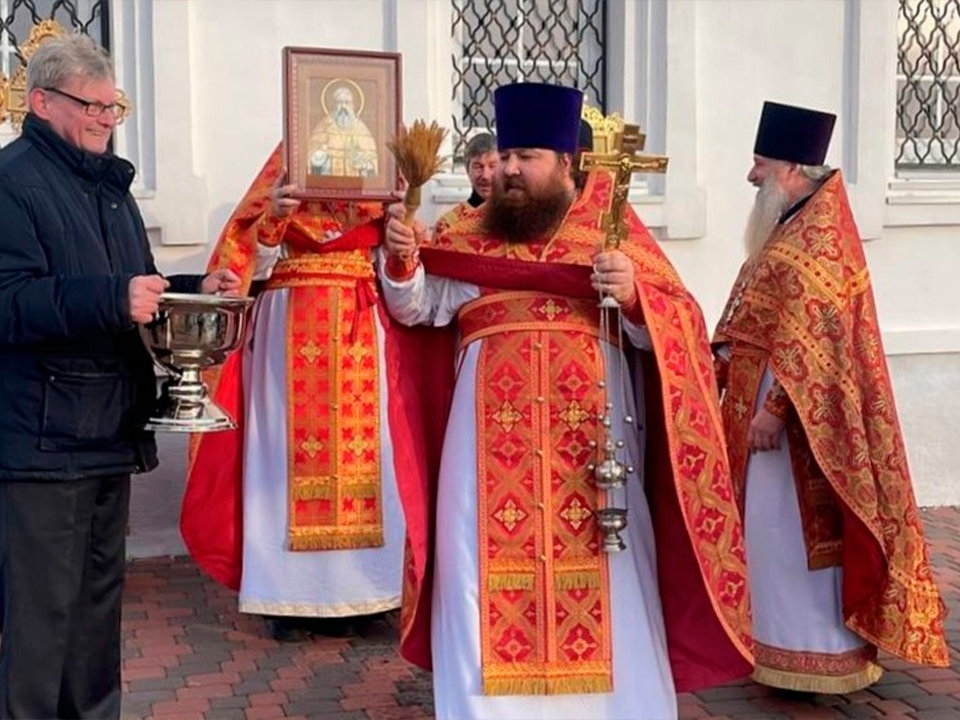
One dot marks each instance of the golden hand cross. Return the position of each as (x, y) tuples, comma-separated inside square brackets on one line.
[(624, 161)]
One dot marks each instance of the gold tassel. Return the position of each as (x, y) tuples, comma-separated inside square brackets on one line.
[(548, 686), (360, 490), (312, 492), (336, 542), (576, 580), (824, 684), (825, 559), (325, 490), (510, 581)]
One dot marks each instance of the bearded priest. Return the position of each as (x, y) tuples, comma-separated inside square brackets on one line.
[(837, 557), (518, 607)]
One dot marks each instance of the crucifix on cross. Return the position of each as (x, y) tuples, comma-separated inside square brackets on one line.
[(624, 161)]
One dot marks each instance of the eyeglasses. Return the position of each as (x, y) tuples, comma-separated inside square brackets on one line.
[(93, 108)]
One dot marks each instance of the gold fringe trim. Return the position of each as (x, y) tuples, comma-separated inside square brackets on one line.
[(577, 580), (359, 490), (301, 609), (337, 542), (548, 686), (326, 489), (824, 684), (824, 554), (312, 492), (823, 561), (510, 581)]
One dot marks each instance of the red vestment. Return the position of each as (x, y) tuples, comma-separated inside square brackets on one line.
[(805, 309), (335, 279), (701, 561)]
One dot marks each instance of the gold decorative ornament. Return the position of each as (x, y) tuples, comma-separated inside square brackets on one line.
[(4, 96), (604, 127), (39, 34), (124, 104), (14, 102)]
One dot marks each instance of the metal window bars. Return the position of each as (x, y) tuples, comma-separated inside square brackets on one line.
[(928, 85), (502, 41)]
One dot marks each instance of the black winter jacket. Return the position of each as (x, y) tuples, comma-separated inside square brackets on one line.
[(76, 383)]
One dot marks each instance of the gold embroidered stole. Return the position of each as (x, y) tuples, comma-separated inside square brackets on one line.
[(544, 582), (333, 417)]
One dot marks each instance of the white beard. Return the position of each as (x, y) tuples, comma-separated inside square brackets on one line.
[(770, 204), (344, 118)]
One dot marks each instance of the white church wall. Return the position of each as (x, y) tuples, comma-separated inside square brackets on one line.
[(217, 74), (796, 53)]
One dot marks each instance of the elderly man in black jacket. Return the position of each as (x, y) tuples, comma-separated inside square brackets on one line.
[(76, 386)]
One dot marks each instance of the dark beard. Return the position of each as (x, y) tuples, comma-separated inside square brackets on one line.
[(530, 220)]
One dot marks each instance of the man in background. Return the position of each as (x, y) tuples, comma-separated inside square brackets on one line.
[(480, 158)]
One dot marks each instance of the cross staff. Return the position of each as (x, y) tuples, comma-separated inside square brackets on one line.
[(625, 161)]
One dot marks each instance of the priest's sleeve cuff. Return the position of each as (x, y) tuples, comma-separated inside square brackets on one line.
[(777, 401), (634, 312), (721, 367), (270, 229), (400, 268)]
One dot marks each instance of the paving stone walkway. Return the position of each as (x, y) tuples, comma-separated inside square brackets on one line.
[(189, 655)]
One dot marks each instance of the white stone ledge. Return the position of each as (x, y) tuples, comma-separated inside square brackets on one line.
[(923, 201), (922, 341)]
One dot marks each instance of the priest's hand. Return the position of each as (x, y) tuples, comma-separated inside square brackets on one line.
[(281, 204), (764, 432), (613, 274), (223, 281), (403, 241)]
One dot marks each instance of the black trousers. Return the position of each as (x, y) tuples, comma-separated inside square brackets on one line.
[(62, 562)]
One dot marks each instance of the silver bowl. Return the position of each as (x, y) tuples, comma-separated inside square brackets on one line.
[(189, 334)]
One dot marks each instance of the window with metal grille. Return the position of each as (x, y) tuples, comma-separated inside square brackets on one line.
[(501, 41), (928, 85), (18, 16)]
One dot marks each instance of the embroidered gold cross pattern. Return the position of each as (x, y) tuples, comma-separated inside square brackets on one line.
[(310, 351), (575, 513), (574, 415), (357, 445), (740, 408), (789, 360), (550, 309), (311, 446), (509, 515), (357, 352), (507, 416)]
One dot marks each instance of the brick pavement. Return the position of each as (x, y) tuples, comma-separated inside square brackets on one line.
[(189, 655)]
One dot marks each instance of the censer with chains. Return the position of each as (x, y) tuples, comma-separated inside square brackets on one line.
[(613, 467)]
